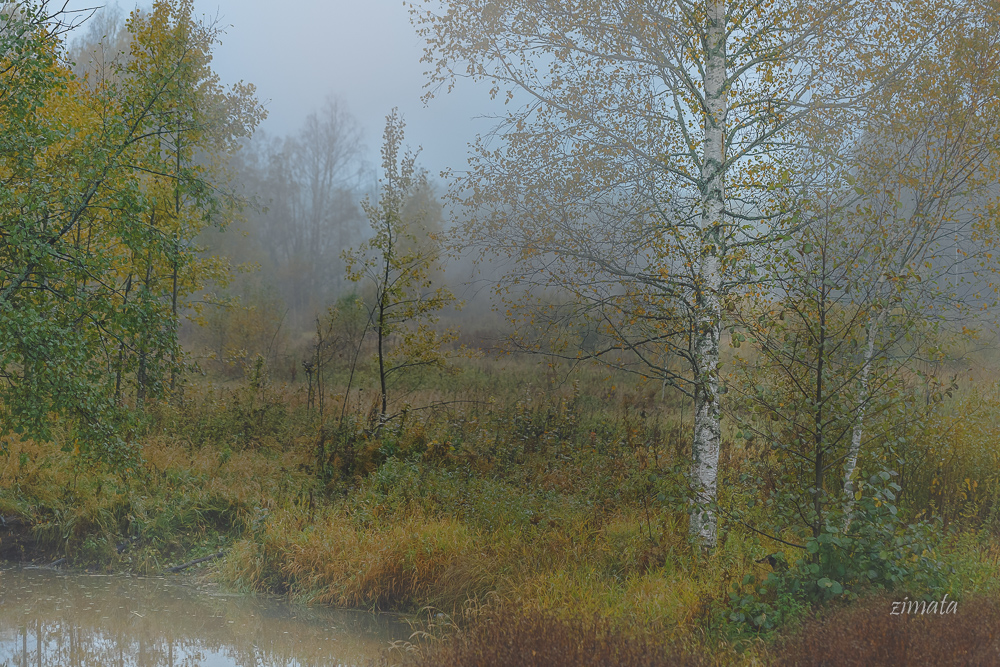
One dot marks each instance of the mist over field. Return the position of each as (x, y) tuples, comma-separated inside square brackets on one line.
[(626, 333)]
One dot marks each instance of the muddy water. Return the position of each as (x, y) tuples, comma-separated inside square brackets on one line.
[(52, 619)]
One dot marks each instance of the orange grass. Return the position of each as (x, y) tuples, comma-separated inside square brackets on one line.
[(412, 563)]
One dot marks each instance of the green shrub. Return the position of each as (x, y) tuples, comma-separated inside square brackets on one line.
[(877, 551)]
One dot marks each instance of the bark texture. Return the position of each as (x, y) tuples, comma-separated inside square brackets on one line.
[(707, 427), (851, 462)]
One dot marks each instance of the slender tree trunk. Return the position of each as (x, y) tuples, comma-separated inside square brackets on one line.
[(140, 376), (140, 380), (381, 355), (818, 458), (121, 346), (318, 367), (173, 313), (708, 315), (382, 315), (173, 290), (350, 377), (851, 463)]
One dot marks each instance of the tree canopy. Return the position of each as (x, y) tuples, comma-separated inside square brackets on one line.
[(657, 152), (106, 182)]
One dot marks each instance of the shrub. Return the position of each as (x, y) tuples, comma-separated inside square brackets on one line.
[(252, 414), (878, 550)]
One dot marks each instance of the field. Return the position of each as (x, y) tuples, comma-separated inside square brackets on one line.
[(525, 507)]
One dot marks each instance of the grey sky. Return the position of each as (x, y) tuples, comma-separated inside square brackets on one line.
[(365, 51), (299, 51)]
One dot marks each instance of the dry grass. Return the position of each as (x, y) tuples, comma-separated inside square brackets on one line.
[(182, 501), (547, 497), (409, 564), (535, 639), (868, 635)]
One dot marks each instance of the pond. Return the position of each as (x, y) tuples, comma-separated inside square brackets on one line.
[(54, 619)]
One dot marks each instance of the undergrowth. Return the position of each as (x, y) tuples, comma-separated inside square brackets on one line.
[(561, 500)]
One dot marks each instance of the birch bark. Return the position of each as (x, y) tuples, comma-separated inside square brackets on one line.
[(857, 431), (653, 151), (707, 427)]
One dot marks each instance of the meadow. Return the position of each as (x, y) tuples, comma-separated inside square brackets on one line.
[(520, 505)]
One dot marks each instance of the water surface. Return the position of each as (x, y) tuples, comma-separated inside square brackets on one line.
[(55, 619)]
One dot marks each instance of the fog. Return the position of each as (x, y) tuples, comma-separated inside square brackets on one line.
[(729, 269), (327, 74), (298, 53)]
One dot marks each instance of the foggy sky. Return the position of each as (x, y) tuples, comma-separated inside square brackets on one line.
[(365, 51)]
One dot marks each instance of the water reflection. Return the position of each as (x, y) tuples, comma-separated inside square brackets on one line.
[(50, 619)]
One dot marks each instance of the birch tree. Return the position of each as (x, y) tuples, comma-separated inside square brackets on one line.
[(398, 263), (929, 170), (654, 147), (873, 287)]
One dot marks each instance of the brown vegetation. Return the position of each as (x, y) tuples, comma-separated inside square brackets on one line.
[(869, 635), (553, 498), (535, 639)]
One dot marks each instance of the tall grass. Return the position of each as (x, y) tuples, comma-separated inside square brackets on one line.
[(559, 497), (869, 635)]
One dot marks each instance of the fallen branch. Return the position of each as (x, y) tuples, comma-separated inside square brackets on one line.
[(178, 568)]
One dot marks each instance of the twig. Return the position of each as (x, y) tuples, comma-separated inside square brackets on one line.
[(178, 568), (759, 532)]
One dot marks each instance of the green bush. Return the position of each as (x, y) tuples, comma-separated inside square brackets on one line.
[(876, 551)]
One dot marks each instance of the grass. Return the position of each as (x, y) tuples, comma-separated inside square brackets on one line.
[(182, 502), (537, 639), (411, 563), (551, 498), (869, 635)]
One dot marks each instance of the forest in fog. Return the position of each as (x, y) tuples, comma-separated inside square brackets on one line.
[(692, 361)]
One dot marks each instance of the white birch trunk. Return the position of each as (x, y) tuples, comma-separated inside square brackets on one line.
[(708, 313), (851, 463)]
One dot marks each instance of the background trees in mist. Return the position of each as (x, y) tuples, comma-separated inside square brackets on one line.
[(308, 187), (306, 195), (303, 195)]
